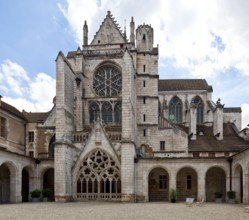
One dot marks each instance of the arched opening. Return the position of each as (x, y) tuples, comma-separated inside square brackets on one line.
[(98, 177), (48, 181), (158, 185), (4, 184), (51, 147), (186, 184), (238, 183), (25, 185), (175, 110), (215, 182)]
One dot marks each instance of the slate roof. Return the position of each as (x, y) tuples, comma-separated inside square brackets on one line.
[(208, 142), (12, 110), (232, 110), (34, 117), (183, 85)]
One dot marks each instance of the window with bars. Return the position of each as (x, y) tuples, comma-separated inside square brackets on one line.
[(162, 145), (175, 110), (2, 127), (31, 136)]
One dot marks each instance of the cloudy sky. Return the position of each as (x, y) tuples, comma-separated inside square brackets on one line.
[(197, 39)]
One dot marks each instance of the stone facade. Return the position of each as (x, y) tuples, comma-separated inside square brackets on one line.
[(118, 132)]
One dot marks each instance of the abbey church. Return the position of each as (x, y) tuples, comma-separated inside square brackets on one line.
[(118, 132)]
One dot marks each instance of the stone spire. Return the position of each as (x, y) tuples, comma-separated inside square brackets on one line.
[(132, 28), (85, 34)]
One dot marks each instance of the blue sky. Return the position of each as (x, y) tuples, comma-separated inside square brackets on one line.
[(197, 39)]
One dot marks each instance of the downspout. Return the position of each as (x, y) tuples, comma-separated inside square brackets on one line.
[(135, 177), (230, 160)]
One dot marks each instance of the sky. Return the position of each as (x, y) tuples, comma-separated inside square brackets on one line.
[(197, 39)]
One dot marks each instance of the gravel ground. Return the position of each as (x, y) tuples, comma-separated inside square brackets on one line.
[(109, 210)]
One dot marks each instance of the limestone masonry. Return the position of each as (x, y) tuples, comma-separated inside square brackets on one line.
[(118, 132)]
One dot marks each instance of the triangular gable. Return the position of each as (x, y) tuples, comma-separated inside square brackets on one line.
[(97, 140), (109, 32)]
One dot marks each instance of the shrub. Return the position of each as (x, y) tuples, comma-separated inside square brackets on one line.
[(46, 193), (173, 195), (231, 194), (35, 193), (218, 195)]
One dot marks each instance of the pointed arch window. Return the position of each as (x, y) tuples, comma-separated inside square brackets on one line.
[(175, 110), (199, 109), (107, 112), (118, 112), (93, 111), (99, 177)]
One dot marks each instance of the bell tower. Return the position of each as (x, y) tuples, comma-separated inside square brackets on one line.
[(144, 38)]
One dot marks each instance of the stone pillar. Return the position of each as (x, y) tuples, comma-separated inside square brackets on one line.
[(218, 121), (246, 188), (172, 180), (128, 172), (192, 122), (16, 187), (64, 128), (201, 186)]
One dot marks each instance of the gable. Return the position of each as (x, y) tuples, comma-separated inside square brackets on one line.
[(109, 32)]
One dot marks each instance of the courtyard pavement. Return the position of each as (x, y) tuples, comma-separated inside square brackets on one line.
[(120, 211)]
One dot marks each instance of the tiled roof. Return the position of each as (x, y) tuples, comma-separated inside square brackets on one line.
[(232, 110), (208, 142), (11, 109), (183, 85), (34, 117)]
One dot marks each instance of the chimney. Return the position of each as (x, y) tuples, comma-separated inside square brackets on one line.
[(218, 121)]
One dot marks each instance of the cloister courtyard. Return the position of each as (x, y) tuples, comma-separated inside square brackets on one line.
[(110, 210)]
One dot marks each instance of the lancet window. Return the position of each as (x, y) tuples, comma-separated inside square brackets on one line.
[(199, 109), (175, 110), (110, 112), (93, 111)]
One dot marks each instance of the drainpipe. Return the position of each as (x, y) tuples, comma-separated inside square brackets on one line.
[(135, 177), (230, 160)]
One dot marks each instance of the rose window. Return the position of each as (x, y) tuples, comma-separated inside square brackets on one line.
[(107, 81)]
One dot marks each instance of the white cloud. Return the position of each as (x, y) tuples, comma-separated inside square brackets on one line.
[(186, 30), (31, 94), (14, 76)]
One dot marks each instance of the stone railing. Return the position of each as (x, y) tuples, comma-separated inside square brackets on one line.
[(99, 196), (80, 137), (114, 136)]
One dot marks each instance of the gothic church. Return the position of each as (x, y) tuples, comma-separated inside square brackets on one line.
[(118, 132)]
